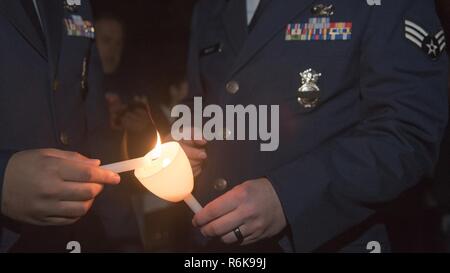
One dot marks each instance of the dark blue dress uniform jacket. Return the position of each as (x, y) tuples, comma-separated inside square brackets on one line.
[(375, 132), (48, 97)]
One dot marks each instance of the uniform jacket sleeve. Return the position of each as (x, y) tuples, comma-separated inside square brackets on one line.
[(4, 159), (4, 245), (395, 143)]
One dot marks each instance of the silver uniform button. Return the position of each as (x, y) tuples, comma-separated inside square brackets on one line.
[(220, 184), (64, 138), (55, 85), (232, 87)]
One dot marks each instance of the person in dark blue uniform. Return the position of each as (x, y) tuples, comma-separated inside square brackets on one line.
[(362, 91), (53, 120)]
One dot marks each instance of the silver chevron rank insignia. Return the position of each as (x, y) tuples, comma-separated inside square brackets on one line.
[(433, 46)]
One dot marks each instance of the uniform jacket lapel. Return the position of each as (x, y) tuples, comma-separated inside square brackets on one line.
[(14, 12), (274, 19), (234, 18), (52, 16)]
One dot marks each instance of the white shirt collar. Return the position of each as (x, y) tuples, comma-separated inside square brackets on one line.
[(252, 5), (38, 13)]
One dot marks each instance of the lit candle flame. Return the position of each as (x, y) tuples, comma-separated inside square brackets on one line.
[(165, 171), (156, 152)]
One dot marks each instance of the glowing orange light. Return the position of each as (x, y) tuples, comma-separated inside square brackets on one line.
[(156, 151), (165, 171)]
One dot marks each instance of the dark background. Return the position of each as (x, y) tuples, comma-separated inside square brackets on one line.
[(157, 38)]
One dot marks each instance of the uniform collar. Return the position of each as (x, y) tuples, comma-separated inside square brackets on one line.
[(13, 11), (234, 18), (52, 12)]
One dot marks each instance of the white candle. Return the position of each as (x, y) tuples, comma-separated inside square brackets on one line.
[(125, 166), (193, 203), (166, 173)]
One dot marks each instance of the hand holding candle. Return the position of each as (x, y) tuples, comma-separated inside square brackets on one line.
[(165, 171), (51, 187)]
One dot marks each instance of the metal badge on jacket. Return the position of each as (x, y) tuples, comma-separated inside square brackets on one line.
[(309, 92), (72, 5)]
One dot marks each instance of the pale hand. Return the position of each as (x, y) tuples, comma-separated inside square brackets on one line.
[(131, 120), (51, 187), (253, 206)]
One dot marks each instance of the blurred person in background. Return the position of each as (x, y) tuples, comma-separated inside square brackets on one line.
[(129, 111), (136, 117), (173, 89), (110, 42), (178, 91), (131, 124)]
